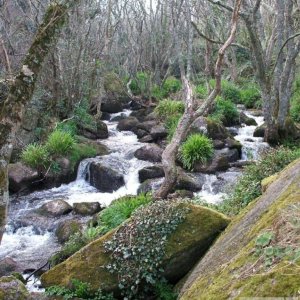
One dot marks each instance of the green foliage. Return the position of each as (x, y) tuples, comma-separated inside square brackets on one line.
[(167, 108), (120, 210), (164, 291), (225, 111), (229, 91), (295, 101), (251, 97), (80, 290), (60, 143), (140, 84), (201, 91), (82, 116), (69, 126), (158, 93), (248, 186), (80, 152), (171, 85), (197, 148), (171, 125), (36, 156), (138, 247)]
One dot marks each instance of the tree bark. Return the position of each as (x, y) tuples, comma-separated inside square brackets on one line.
[(11, 111)]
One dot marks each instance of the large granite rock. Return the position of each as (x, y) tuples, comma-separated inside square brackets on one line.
[(55, 208), (150, 153), (13, 289)]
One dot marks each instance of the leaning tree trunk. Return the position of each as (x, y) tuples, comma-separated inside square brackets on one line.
[(11, 111), (170, 153)]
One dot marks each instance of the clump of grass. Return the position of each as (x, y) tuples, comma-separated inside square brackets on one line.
[(60, 143), (196, 149), (248, 186), (171, 85), (36, 156), (250, 96), (167, 108), (171, 125)]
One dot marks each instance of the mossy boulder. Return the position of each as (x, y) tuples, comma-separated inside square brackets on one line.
[(184, 247), (13, 289), (231, 269)]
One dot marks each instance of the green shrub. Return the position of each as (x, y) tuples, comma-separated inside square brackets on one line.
[(171, 125), (60, 143), (251, 97), (82, 116), (78, 290), (248, 186), (201, 91), (164, 291), (172, 85), (140, 84), (295, 106), (69, 126), (158, 93), (80, 152), (225, 111), (197, 148), (167, 108), (229, 91), (120, 210), (35, 156)]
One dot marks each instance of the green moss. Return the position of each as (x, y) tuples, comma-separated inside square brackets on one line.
[(12, 289), (238, 273)]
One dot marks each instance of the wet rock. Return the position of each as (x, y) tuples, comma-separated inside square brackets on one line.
[(67, 228), (142, 114), (189, 182), (141, 133), (105, 178), (260, 131), (146, 139), (151, 172), (13, 289), (150, 185), (105, 116), (158, 132), (20, 177), (100, 148), (8, 266), (55, 208), (183, 194), (86, 208), (112, 106), (151, 153), (233, 131), (233, 144), (218, 144), (119, 118), (128, 124), (244, 119), (100, 132), (136, 105), (147, 125), (184, 247), (212, 129), (220, 161)]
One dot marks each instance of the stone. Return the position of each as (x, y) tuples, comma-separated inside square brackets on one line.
[(20, 177), (184, 247), (55, 208), (86, 208), (244, 119), (100, 132), (151, 172), (150, 185), (141, 133), (158, 132), (100, 148), (146, 139), (67, 228), (147, 125), (260, 131), (218, 144), (13, 289), (128, 124), (227, 270), (231, 143), (8, 266), (190, 182), (150, 153), (105, 178), (105, 116), (112, 106)]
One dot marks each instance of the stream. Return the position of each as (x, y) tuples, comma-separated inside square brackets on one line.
[(31, 246)]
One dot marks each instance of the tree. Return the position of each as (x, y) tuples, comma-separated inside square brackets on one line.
[(272, 31), (21, 91), (190, 114)]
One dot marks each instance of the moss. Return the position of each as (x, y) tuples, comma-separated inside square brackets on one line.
[(184, 247), (237, 273), (267, 181), (12, 289)]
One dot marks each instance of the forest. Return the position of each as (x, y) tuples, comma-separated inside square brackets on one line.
[(149, 149)]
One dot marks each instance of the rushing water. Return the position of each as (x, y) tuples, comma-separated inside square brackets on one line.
[(31, 246)]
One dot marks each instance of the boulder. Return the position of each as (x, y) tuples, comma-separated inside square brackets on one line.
[(142, 114), (105, 116), (213, 130), (128, 124), (111, 106), (150, 185), (184, 247), (244, 119), (218, 144), (8, 266), (220, 161), (158, 132), (231, 143), (13, 289), (100, 148), (190, 182), (232, 269), (105, 178), (150, 153), (55, 208), (86, 208), (67, 228), (20, 177), (141, 133), (94, 133), (147, 125), (146, 139), (151, 172), (260, 131)]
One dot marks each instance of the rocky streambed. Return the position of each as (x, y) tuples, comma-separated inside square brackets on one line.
[(132, 166)]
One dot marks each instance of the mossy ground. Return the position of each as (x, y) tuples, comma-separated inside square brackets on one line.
[(239, 272)]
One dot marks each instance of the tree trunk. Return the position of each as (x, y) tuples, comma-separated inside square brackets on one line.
[(11, 111)]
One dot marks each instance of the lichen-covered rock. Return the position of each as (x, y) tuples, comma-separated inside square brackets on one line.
[(67, 228), (232, 270), (13, 289), (128, 124), (158, 132), (8, 266), (244, 119), (151, 153), (55, 208), (184, 247), (260, 131), (151, 172), (86, 208)]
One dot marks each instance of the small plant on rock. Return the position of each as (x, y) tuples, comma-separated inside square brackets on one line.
[(36, 156), (60, 142), (196, 149), (138, 247)]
